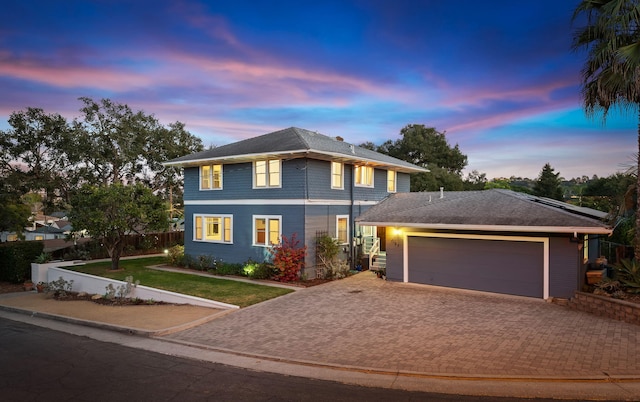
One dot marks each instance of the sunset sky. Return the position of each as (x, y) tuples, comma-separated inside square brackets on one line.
[(497, 76)]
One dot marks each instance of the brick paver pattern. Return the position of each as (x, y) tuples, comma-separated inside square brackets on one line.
[(366, 322)]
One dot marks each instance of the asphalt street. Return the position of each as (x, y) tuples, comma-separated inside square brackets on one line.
[(40, 364)]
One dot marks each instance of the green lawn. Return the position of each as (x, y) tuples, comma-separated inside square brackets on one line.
[(233, 292)]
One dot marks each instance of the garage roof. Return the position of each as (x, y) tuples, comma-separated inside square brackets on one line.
[(493, 210)]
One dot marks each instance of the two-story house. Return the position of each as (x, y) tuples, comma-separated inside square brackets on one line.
[(240, 198)]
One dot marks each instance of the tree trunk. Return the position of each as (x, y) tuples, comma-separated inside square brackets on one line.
[(636, 240), (115, 252)]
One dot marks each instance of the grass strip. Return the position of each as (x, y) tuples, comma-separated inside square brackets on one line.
[(227, 291)]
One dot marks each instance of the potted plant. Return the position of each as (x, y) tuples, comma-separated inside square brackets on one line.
[(28, 285), (41, 287)]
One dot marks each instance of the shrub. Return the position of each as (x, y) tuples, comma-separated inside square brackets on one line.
[(16, 258), (204, 263), (226, 268), (255, 270), (628, 273), (288, 258), (60, 287), (175, 256), (327, 250)]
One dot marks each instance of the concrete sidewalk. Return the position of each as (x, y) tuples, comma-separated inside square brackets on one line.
[(371, 332)]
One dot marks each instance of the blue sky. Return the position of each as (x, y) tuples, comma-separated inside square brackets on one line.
[(497, 76)]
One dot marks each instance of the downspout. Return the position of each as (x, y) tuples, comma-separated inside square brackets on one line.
[(352, 223)]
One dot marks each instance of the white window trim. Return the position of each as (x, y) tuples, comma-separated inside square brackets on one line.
[(210, 177), (253, 171), (355, 177), (267, 218), (395, 181), (204, 226), (338, 217), (341, 187)]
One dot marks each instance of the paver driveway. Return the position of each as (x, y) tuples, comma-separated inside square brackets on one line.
[(366, 322)]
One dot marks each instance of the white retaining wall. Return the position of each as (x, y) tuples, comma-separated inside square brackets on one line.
[(39, 271), (97, 285)]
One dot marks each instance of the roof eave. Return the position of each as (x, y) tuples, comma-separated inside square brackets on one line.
[(297, 153), (496, 228)]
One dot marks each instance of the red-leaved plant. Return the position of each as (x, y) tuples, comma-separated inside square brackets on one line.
[(288, 258)]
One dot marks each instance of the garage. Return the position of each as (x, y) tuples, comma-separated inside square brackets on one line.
[(495, 240), (491, 264)]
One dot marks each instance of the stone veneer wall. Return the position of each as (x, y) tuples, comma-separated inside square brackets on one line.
[(606, 307)]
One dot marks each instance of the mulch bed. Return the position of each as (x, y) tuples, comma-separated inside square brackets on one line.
[(126, 301), (7, 287)]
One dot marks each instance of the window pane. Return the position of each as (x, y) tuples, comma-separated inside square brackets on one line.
[(368, 175), (261, 173), (227, 229), (274, 173), (336, 175), (391, 181), (198, 228), (217, 176), (343, 230), (261, 226), (274, 231), (213, 229), (205, 174)]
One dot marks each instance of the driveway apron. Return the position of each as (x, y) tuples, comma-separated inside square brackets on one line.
[(365, 322)]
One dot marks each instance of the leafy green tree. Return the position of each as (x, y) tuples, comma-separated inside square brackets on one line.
[(498, 183), (14, 214), (612, 194), (110, 212), (426, 147), (475, 181), (118, 145), (548, 184), (33, 154), (611, 73)]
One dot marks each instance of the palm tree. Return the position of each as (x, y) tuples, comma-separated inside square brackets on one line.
[(611, 73)]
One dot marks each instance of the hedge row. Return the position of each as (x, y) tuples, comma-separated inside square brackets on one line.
[(16, 259)]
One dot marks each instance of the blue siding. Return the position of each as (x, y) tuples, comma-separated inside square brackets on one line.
[(237, 183), (302, 179), (319, 179), (379, 190), (241, 249), (564, 267)]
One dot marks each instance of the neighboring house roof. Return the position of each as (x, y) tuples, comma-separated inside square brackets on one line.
[(59, 214), (62, 224), (493, 210), (295, 142), (47, 229)]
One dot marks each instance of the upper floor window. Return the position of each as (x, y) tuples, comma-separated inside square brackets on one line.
[(211, 177), (342, 228), (267, 173), (364, 176), (267, 230), (213, 228), (337, 175), (391, 181)]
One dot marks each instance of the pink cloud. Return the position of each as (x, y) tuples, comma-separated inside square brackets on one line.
[(72, 76)]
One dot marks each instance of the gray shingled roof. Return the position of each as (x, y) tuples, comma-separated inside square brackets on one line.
[(294, 141), (486, 208)]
